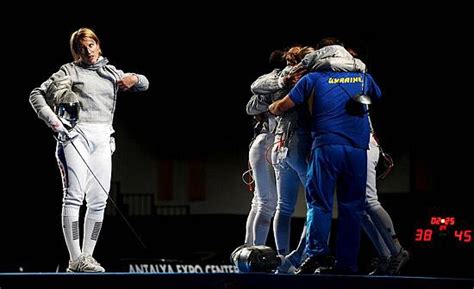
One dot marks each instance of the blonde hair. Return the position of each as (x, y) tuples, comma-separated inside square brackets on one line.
[(303, 51), (291, 55), (75, 41), (296, 53)]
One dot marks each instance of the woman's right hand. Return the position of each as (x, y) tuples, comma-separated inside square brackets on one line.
[(58, 127)]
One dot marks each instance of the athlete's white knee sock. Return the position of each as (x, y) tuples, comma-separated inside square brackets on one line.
[(281, 230), (92, 225), (261, 228), (375, 237), (70, 223), (384, 223), (249, 237), (297, 256)]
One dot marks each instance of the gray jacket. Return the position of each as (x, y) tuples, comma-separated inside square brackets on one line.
[(332, 57), (265, 91), (95, 86)]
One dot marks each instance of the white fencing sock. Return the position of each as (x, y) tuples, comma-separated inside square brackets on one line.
[(249, 238), (92, 225), (261, 228), (70, 224)]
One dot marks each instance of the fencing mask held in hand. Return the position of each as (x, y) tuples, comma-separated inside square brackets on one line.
[(67, 109)]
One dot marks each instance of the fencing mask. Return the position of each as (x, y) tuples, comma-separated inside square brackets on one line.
[(68, 113), (65, 101), (255, 259)]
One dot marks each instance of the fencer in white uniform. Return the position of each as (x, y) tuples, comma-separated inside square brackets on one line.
[(92, 83)]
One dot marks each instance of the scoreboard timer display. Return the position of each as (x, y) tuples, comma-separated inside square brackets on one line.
[(442, 231)]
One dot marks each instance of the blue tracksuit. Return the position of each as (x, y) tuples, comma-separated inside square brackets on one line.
[(340, 131)]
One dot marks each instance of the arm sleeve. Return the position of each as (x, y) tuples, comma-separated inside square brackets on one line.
[(333, 57), (258, 104), (328, 51), (373, 90), (301, 91), (267, 83), (142, 83), (42, 97), (340, 64)]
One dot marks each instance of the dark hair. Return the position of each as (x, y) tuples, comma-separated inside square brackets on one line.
[(277, 59), (352, 51), (329, 41)]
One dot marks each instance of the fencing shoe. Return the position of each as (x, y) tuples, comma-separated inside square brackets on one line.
[(85, 264), (313, 264), (380, 266), (396, 262)]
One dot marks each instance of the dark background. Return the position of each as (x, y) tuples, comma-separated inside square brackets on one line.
[(200, 68)]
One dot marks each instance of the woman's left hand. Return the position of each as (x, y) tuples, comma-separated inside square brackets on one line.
[(127, 81)]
